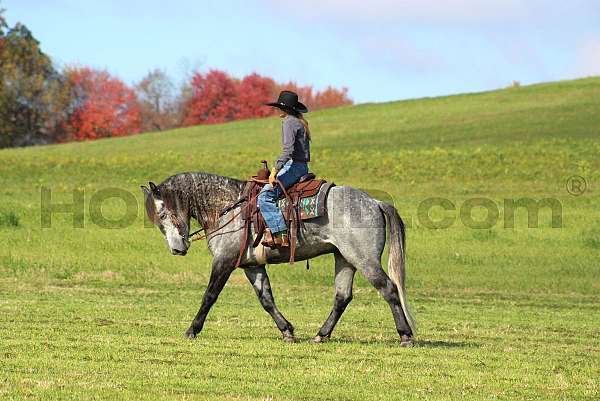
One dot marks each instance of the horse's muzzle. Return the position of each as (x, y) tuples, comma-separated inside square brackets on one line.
[(178, 252)]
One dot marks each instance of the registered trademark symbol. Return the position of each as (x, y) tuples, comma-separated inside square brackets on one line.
[(576, 185)]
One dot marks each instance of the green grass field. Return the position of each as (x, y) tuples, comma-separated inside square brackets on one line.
[(503, 313)]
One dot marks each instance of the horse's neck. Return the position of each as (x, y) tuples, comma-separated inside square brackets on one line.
[(207, 195)]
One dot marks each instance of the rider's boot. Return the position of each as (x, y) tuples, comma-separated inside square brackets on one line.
[(268, 240)]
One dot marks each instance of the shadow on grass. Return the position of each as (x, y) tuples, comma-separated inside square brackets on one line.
[(391, 342), (445, 344), (394, 342)]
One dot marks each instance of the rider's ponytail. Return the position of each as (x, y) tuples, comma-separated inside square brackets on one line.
[(300, 117), (305, 123)]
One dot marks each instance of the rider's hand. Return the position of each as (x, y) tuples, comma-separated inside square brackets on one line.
[(273, 176)]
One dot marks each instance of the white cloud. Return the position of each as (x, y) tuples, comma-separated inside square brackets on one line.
[(588, 58)]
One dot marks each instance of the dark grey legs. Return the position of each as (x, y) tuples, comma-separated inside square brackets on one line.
[(344, 277), (259, 279), (380, 280), (219, 275), (371, 268)]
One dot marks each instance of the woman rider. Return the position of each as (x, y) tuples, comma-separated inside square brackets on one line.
[(289, 167)]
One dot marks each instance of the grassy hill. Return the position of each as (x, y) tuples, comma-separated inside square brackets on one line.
[(506, 313)]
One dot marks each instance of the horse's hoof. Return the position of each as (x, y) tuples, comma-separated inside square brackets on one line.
[(288, 336), (406, 341), (289, 339), (189, 334), (320, 339)]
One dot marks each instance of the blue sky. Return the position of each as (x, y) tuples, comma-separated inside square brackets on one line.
[(380, 49)]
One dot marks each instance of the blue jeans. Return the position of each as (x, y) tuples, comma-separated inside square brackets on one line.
[(267, 199)]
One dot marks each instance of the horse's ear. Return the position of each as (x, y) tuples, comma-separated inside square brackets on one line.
[(154, 188), (145, 190)]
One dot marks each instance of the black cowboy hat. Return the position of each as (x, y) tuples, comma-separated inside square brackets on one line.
[(288, 100)]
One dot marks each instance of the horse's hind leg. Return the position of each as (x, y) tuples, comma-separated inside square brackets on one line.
[(381, 281), (257, 275), (370, 267), (344, 277)]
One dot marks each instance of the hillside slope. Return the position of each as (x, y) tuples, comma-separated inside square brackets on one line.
[(506, 313)]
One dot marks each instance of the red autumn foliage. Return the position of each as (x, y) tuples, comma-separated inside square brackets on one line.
[(331, 97), (254, 92), (103, 105), (216, 97), (213, 99)]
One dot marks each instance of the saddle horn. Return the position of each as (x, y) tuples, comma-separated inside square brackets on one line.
[(263, 173)]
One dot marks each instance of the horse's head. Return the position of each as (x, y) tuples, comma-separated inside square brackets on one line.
[(166, 213)]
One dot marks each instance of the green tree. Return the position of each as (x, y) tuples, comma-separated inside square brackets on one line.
[(2, 20), (33, 96)]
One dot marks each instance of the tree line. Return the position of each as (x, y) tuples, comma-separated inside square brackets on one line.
[(42, 104)]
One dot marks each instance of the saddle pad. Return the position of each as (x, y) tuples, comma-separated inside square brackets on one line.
[(311, 206)]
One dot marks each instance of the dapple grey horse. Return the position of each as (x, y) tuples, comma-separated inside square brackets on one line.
[(353, 230)]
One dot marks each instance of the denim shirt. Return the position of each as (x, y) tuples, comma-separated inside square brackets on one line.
[(296, 145)]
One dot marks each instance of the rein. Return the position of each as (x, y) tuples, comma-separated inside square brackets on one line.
[(223, 213), (207, 234)]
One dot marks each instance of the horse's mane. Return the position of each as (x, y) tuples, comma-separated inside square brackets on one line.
[(204, 195)]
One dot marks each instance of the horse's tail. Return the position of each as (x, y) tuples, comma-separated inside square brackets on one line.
[(396, 259)]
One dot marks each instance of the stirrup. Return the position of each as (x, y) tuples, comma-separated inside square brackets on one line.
[(281, 241)]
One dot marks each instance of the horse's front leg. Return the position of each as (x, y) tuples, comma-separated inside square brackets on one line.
[(218, 277), (257, 275)]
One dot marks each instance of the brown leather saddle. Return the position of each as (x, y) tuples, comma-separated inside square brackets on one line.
[(308, 192)]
